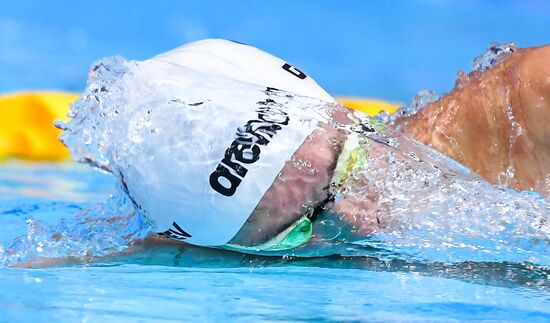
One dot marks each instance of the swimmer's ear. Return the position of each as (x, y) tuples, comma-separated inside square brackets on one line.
[(246, 64)]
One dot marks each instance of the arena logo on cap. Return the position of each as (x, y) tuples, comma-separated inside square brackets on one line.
[(246, 148)]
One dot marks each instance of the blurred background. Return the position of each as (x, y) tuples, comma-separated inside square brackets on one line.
[(382, 49)]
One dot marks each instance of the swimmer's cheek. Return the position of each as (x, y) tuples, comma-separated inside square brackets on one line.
[(302, 183)]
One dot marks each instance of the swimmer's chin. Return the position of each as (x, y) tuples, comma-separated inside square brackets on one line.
[(260, 229)]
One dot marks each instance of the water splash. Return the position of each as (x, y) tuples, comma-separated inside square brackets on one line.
[(495, 53), (432, 208), (492, 56), (419, 101), (504, 178), (102, 229)]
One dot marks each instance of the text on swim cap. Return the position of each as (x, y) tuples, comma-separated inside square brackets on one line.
[(294, 71), (246, 148)]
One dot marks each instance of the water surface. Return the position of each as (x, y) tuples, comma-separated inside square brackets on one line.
[(176, 282)]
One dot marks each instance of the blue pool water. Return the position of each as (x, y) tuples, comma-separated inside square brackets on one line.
[(378, 49), (176, 282)]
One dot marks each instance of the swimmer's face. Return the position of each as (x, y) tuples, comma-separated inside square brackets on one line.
[(301, 185)]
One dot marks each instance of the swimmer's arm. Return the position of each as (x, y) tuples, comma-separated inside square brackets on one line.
[(496, 122)]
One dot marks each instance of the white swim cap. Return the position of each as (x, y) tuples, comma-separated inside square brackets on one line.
[(198, 135), (224, 58)]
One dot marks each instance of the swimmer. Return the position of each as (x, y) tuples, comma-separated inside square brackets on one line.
[(220, 144)]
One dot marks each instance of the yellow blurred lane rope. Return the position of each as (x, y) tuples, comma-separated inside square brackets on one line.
[(369, 106), (27, 131), (26, 125)]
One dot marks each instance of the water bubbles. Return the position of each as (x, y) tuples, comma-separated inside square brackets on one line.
[(99, 230), (494, 54), (422, 99), (504, 178), (517, 130), (412, 155), (437, 211), (40, 247), (305, 166)]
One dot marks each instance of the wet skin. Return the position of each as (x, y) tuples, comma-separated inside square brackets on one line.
[(492, 122), (497, 122)]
